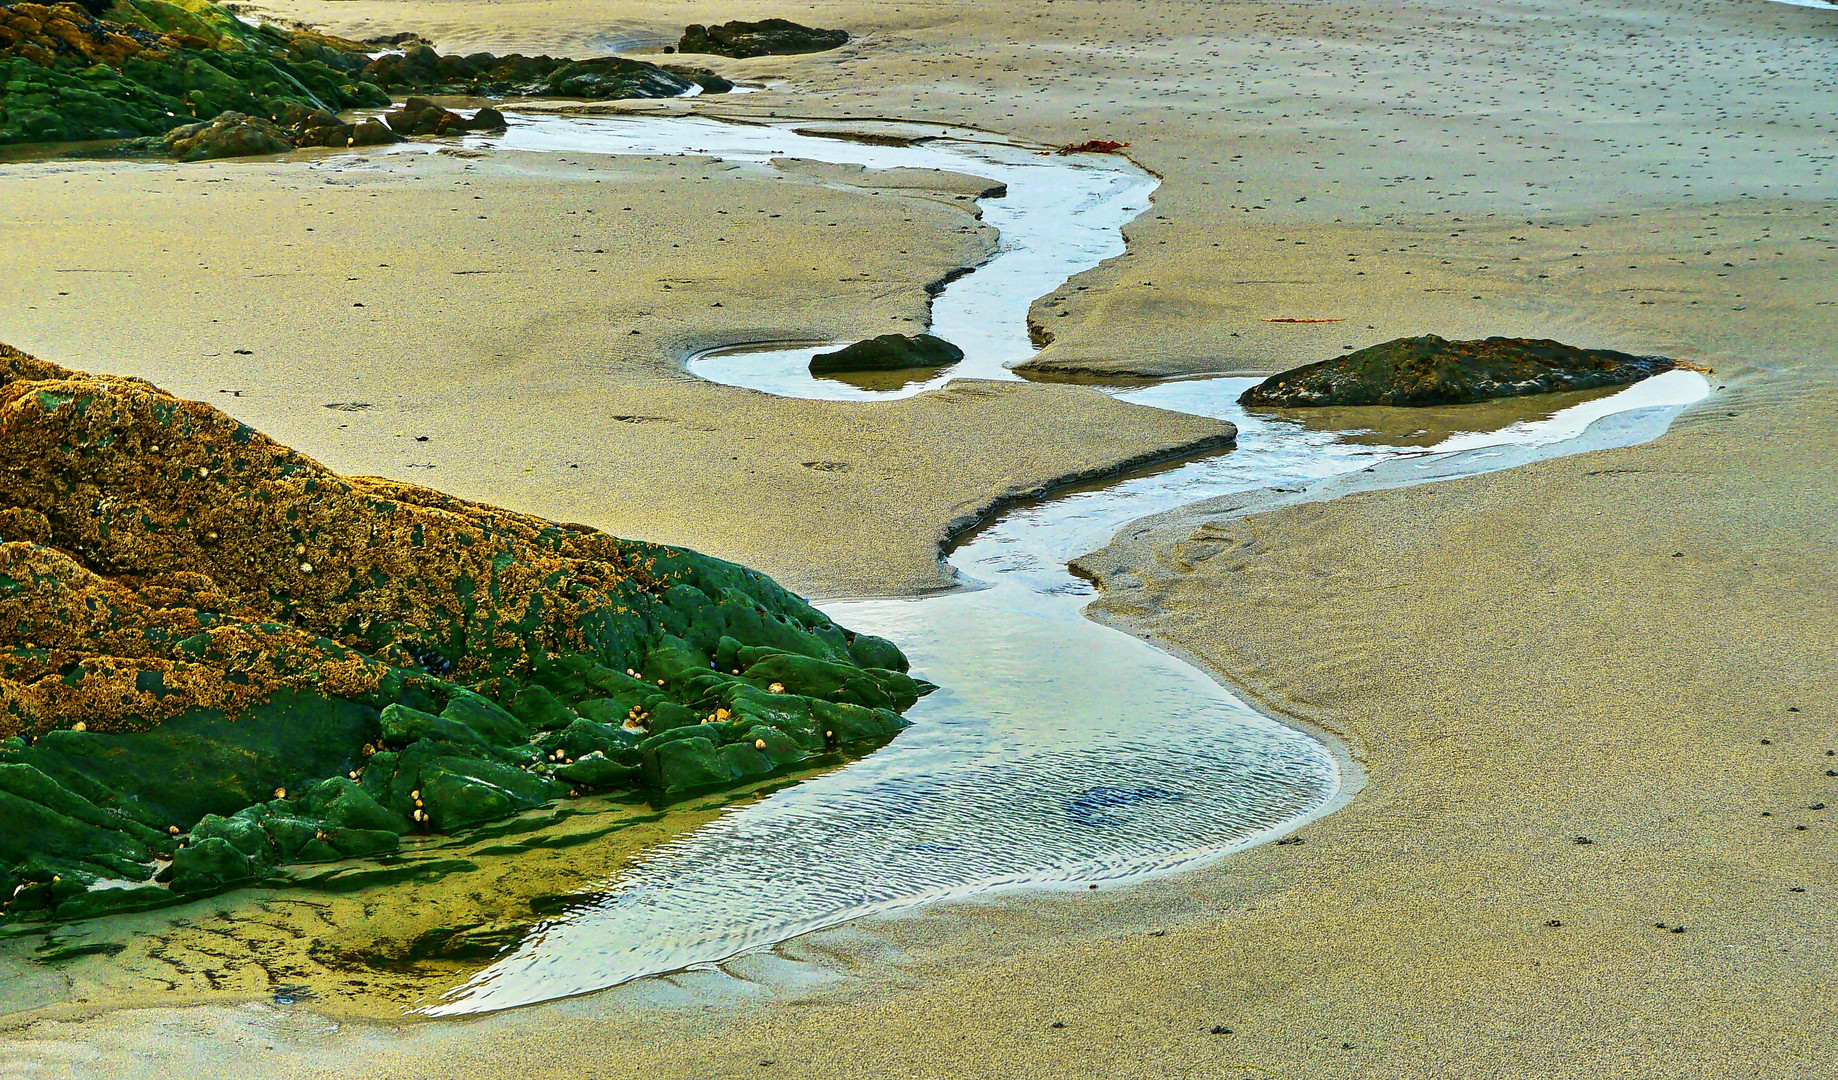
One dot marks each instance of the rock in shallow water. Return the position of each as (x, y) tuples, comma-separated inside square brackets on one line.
[(889, 352), (218, 656), (1430, 370)]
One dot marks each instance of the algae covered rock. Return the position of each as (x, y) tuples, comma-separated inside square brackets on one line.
[(218, 658), (1430, 370), (145, 67), (767, 37), (419, 116), (889, 352), (230, 135), (129, 69)]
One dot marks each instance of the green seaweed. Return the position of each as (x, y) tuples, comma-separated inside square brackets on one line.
[(220, 662)]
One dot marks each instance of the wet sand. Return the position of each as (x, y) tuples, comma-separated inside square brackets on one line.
[(510, 328), (1592, 647)]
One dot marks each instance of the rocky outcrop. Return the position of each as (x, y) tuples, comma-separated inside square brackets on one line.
[(150, 66), (230, 135), (419, 116), (767, 37), (316, 127), (889, 352), (710, 82), (140, 68), (1429, 370), (421, 69), (218, 658)]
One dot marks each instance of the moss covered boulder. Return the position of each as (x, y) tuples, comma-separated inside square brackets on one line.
[(230, 135), (218, 659), (1429, 370), (767, 37), (889, 352), (145, 67)]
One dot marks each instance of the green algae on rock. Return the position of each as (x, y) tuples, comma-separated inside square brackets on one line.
[(767, 37), (888, 352), (1430, 370), (147, 66), (218, 658)]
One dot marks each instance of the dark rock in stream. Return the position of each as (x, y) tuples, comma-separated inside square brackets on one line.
[(767, 37), (317, 127), (710, 82), (219, 659), (1429, 370), (421, 69), (889, 352), (419, 116)]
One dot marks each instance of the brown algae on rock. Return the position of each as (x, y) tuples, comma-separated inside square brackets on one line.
[(218, 658)]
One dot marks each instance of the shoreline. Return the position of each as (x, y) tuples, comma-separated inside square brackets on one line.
[(1343, 957)]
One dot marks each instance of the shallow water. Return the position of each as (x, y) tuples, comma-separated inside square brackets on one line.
[(1059, 752), (1063, 214)]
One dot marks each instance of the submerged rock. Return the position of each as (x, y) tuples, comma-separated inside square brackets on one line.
[(889, 352), (767, 37), (1429, 370), (218, 658)]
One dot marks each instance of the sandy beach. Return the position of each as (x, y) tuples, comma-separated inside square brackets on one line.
[(1635, 647)]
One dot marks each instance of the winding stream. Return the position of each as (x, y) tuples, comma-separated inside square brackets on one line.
[(1059, 752)]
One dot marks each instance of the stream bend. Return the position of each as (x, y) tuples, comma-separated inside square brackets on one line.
[(1059, 753)]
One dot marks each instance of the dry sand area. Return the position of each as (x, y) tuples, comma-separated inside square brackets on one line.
[(1638, 647)]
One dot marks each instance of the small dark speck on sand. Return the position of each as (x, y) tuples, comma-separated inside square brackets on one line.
[(1058, 1024), (1554, 923), (1796, 888), (421, 438), (1767, 742), (1678, 929), (243, 352), (1346, 1046), (1584, 840), (1221, 1029)]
